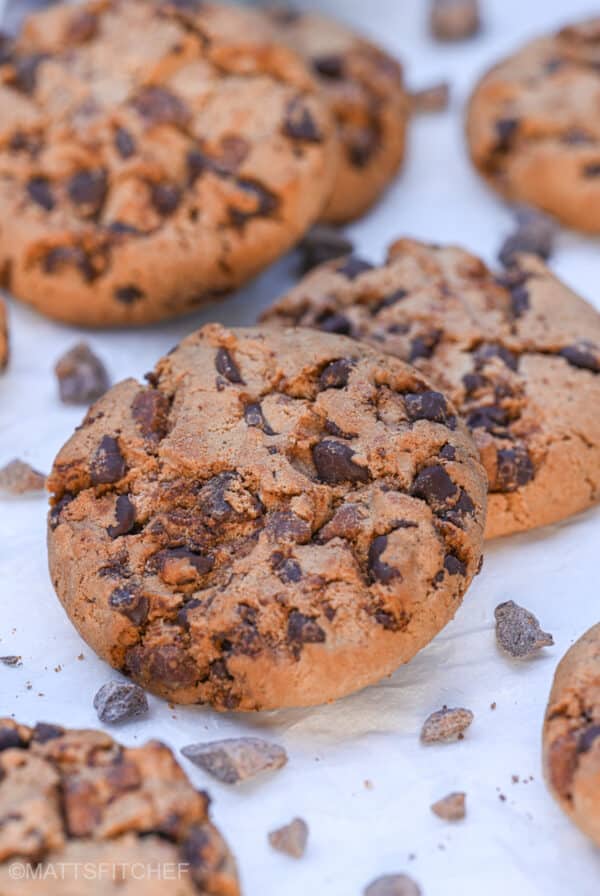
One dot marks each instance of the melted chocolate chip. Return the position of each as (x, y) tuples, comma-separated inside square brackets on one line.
[(585, 356), (227, 367), (87, 189), (128, 601), (426, 406), (166, 198), (434, 485), (352, 267), (515, 469), (304, 629), (335, 464), (125, 514), (335, 375), (124, 143), (128, 294), (299, 123), (40, 191), (108, 464), (253, 415), (381, 571), (329, 66)]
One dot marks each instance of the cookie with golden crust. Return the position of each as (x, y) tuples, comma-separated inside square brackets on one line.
[(363, 86), (71, 800), (532, 126), (280, 518), (519, 357), (141, 178), (4, 344), (571, 737)]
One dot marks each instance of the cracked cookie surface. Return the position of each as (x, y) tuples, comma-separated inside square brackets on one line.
[(363, 86), (571, 737), (519, 356), (279, 518), (140, 179), (532, 125), (73, 798)]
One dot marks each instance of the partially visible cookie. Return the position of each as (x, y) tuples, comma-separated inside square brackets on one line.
[(140, 179), (71, 800), (363, 86), (520, 358), (4, 344), (279, 518), (533, 127), (571, 738)]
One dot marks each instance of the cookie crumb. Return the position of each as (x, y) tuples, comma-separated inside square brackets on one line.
[(236, 759), (368, 784), (82, 377), (446, 725), (535, 233), (11, 660), (431, 99), (451, 807), (19, 478), (454, 20), (393, 885), (493, 706), (118, 701), (291, 838), (518, 632), (322, 243)]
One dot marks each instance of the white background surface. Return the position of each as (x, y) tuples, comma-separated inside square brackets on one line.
[(522, 846)]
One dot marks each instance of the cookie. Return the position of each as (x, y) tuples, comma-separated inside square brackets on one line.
[(363, 86), (571, 737), (519, 357), (76, 805), (279, 518), (532, 125), (141, 179), (4, 345)]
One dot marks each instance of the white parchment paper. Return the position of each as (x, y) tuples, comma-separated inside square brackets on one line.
[(520, 845)]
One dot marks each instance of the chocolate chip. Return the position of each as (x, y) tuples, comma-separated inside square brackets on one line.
[(61, 257), (120, 228), (363, 145), (434, 485), (119, 701), (10, 739), (150, 410), (426, 406), (87, 189), (303, 629), (124, 143), (335, 464), (43, 732), (335, 375), (26, 71), (424, 346), (165, 198), (266, 202), (129, 294), (352, 267), (519, 300), (585, 356), (587, 738), (40, 191), (253, 415), (180, 566), (487, 351), (454, 566), (286, 527), (227, 367), (506, 130), (462, 507), (535, 233), (489, 418), (160, 106), (108, 464), (287, 569), (322, 244), (473, 382), (197, 164), (329, 66), (446, 725), (515, 469), (381, 571), (518, 631), (82, 377), (592, 169), (389, 301), (236, 759), (128, 601), (454, 20), (448, 452), (334, 323), (125, 514), (299, 123)]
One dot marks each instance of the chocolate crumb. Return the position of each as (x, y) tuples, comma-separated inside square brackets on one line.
[(82, 377), (19, 478), (451, 807), (291, 838), (431, 99), (11, 660), (446, 725), (518, 632), (118, 701), (236, 759), (393, 885)]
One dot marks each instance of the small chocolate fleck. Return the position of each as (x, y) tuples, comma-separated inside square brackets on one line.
[(127, 600), (515, 469), (87, 189), (585, 356), (506, 131), (159, 106)]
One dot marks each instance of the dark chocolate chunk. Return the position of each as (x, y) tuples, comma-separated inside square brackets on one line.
[(592, 169), (130, 602), (40, 191), (9, 739), (434, 485), (253, 415), (227, 367), (489, 418), (448, 452), (584, 355), (288, 569), (426, 406), (454, 566), (304, 629), (166, 198), (518, 631), (150, 410), (335, 375), (588, 738), (266, 202), (364, 144), (335, 464), (82, 377), (299, 123), (87, 189), (119, 701), (329, 66), (381, 571), (26, 71), (286, 527), (43, 732), (487, 351), (535, 233), (124, 143), (125, 515), (423, 346), (108, 464), (515, 469)]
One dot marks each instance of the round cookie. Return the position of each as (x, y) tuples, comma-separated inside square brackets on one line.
[(4, 343), (364, 88), (571, 736), (142, 178), (532, 125), (519, 357), (278, 519), (71, 800)]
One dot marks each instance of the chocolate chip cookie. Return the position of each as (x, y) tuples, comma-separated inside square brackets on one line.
[(363, 86), (3, 337), (279, 518), (518, 355), (533, 129), (571, 739), (141, 178), (77, 800)]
